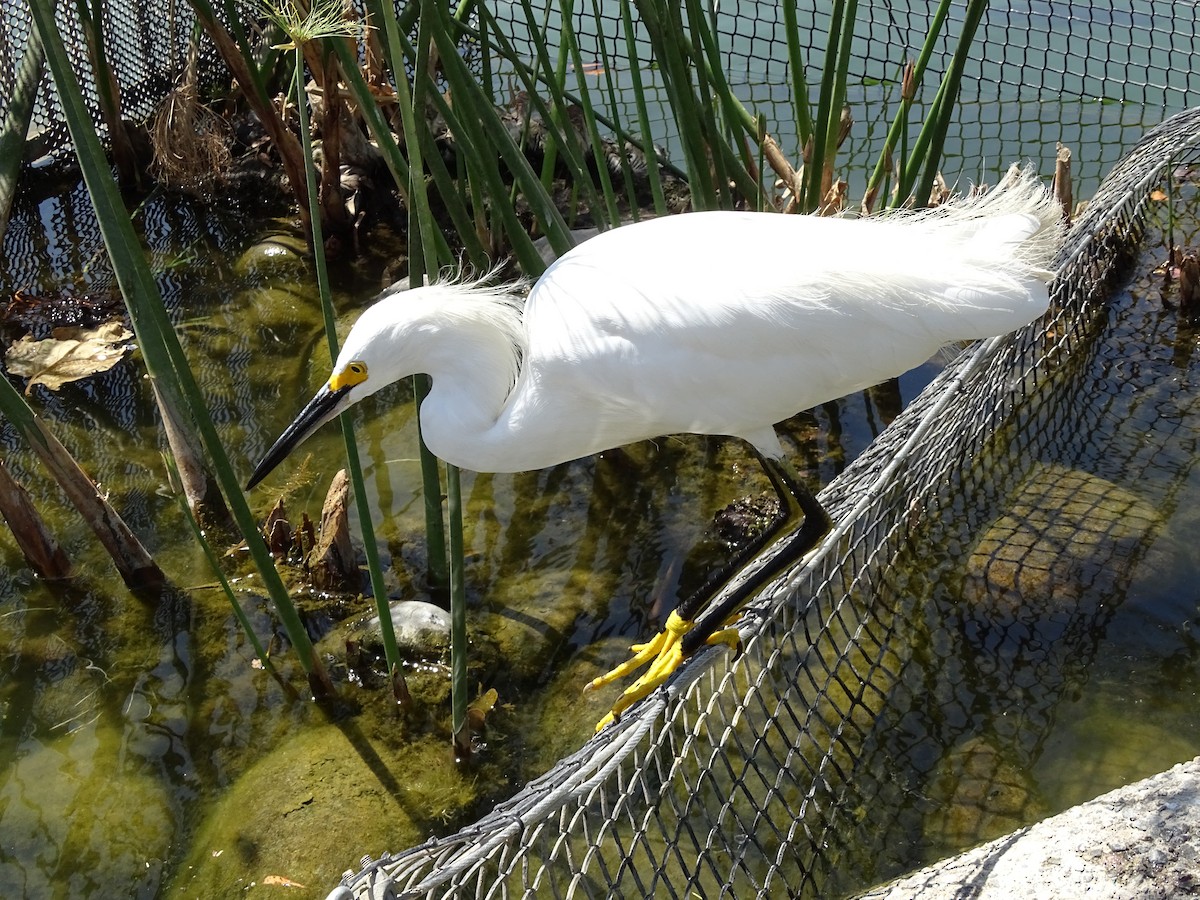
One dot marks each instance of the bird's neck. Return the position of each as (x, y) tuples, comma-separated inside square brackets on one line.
[(471, 375)]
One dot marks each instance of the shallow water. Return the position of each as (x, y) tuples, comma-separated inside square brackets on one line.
[(114, 702), (1054, 610), (140, 749)]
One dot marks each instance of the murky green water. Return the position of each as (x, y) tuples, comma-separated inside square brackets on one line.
[(1054, 619), (139, 746), (141, 752)]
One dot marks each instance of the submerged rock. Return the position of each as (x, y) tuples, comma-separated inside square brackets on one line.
[(275, 255), (82, 817), (978, 794), (422, 629), (1069, 537), (746, 518), (310, 809)]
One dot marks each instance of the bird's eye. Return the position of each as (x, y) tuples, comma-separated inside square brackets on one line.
[(354, 373)]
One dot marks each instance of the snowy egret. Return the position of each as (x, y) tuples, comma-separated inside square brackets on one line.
[(711, 323)]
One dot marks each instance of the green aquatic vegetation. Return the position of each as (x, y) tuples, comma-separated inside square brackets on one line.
[(159, 344)]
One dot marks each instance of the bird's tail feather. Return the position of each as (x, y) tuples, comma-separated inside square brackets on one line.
[(1018, 220)]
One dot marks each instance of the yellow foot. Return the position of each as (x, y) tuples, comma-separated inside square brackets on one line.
[(664, 653)]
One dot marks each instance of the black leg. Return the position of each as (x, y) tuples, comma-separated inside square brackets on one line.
[(682, 634), (795, 500)]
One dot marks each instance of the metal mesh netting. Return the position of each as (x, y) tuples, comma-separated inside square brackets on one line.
[(146, 48), (778, 773), (1085, 74), (1090, 75), (781, 773)]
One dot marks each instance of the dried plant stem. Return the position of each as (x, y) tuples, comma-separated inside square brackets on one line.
[(37, 544)]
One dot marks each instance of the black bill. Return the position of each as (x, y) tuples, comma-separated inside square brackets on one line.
[(320, 409)]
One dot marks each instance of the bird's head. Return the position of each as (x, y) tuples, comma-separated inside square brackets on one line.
[(429, 329), (365, 365)]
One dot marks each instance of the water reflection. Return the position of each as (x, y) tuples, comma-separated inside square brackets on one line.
[(126, 722)]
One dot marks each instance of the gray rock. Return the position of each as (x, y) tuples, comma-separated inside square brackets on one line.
[(421, 628), (1134, 842)]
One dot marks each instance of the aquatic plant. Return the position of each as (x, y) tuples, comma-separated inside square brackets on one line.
[(517, 167)]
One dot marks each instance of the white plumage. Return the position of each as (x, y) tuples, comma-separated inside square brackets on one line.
[(714, 323)]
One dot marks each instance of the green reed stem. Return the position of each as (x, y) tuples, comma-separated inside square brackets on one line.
[(422, 258), (346, 419), (561, 139), (164, 357), (927, 151), (15, 126), (639, 99), (599, 157), (899, 126), (804, 125), (459, 643), (482, 136)]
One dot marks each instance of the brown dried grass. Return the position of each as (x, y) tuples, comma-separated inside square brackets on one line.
[(190, 141)]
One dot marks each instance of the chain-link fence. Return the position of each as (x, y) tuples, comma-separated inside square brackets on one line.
[(1091, 75), (782, 773), (147, 49)]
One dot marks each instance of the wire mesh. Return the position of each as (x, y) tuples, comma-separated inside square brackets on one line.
[(781, 773), (146, 46), (1090, 75)]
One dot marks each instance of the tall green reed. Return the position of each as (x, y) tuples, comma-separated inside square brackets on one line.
[(161, 351), (324, 21), (713, 125)]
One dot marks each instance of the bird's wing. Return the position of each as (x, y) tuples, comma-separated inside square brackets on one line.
[(956, 276), (699, 323), (726, 322), (718, 283)]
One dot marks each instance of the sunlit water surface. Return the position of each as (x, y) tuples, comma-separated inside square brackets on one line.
[(131, 725)]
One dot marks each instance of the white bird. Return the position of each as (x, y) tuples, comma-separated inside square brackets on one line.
[(712, 323)]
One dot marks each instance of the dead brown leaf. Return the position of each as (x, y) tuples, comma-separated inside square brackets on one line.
[(70, 354)]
